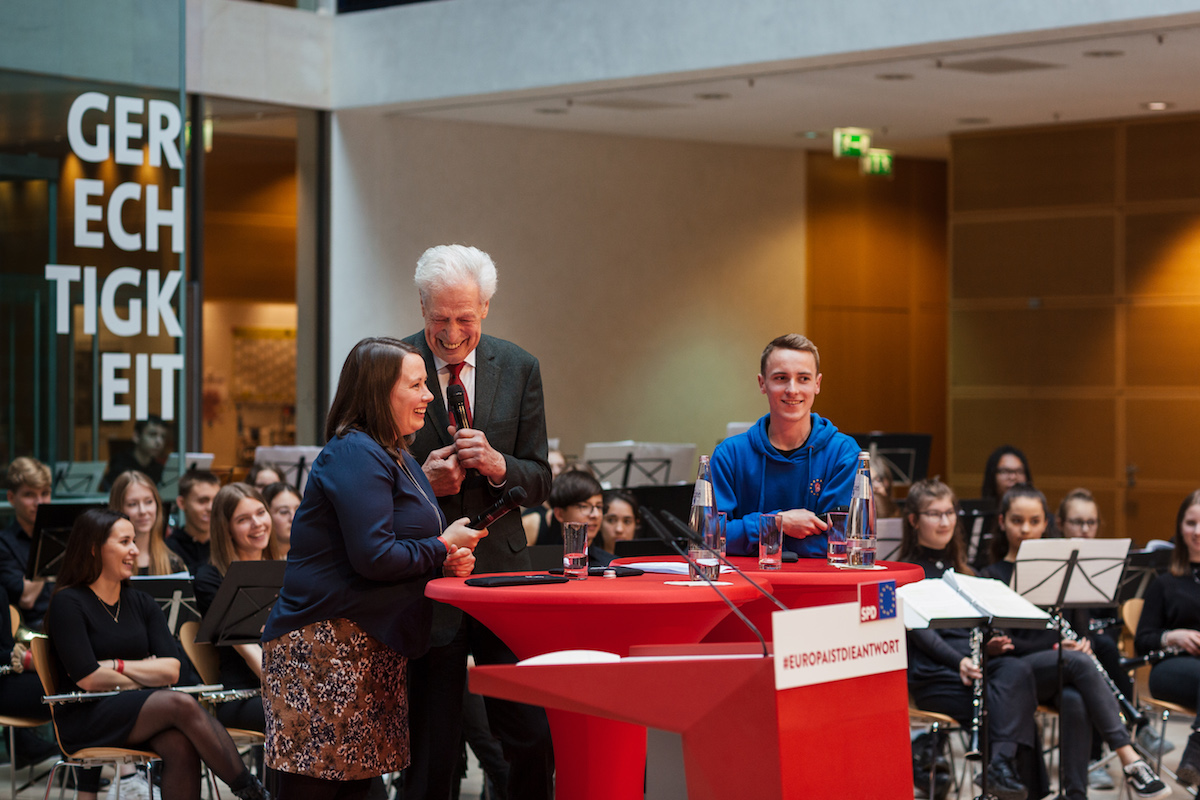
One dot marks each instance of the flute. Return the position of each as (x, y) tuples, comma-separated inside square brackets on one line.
[(1129, 712), (974, 752), (84, 697)]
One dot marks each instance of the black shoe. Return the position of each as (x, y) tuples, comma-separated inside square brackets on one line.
[(1144, 783), (1189, 763), (1002, 781)]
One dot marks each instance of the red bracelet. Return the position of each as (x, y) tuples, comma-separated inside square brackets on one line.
[(120, 666)]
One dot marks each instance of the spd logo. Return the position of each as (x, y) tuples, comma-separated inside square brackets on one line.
[(876, 601)]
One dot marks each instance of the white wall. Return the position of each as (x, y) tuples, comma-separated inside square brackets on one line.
[(646, 275)]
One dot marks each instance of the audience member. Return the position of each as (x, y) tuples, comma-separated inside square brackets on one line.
[(1006, 467), (622, 516), (146, 455), (241, 531), (792, 462), (1085, 698), (576, 496), (189, 541), (105, 635), (21, 696), (282, 501), (1170, 621), (134, 495), (29, 483), (881, 488), (263, 475)]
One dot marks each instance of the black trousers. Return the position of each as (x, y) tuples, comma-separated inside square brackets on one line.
[(1177, 680), (1086, 701), (436, 683)]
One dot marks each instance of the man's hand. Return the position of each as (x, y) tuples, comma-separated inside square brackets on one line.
[(444, 471), (475, 452), (800, 522)]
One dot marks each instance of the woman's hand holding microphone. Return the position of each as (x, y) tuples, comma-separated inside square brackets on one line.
[(460, 542)]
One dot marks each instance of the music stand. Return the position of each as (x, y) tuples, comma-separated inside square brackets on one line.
[(78, 477), (191, 463), (243, 603), (1070, 573), (1143, 567), (905, 454), (676, 498), (174, 594), (974, 515), (292, 462), (51, 530), (638, 463), (888, 533)]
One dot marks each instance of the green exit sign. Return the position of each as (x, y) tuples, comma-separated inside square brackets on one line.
[(851, 142), (876, 162)]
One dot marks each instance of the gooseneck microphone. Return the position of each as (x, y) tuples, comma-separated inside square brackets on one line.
[(507, 502)]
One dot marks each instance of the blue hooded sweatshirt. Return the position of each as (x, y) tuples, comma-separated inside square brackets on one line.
[(750, 477)]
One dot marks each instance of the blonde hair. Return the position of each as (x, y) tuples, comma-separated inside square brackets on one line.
[(26, 471), (221, 552), (160, 556)]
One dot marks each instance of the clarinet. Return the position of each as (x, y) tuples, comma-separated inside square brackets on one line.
[(974, 752), (1151, 658), (1130, 714)]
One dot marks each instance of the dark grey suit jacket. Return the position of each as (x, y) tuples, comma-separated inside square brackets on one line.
[(509, 410)]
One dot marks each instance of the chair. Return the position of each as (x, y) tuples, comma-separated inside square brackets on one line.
[(89, 756), (207, 662), (1131, 614), (937, 723), (12, 723)]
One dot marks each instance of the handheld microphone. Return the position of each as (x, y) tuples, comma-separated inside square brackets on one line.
[(456, 399), (507, 502)]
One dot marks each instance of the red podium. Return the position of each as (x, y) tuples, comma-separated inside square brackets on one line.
[(742, 739)]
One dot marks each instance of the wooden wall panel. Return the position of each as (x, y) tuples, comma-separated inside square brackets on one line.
[(877, 296), (1027, 347), (1151, 513), (1163, 160), (1061, 437), (1060, 166), (1163, 347), (1164, 439), (1035, 257), (1162, 251)]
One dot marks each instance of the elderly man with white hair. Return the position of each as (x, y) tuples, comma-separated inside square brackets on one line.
[(503, 447)]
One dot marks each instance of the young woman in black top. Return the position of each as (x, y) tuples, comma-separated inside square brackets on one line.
[(941, 671), (1171, 619), (1086, 698), (105, 635)]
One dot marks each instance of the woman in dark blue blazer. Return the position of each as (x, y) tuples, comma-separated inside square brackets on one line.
[(367, 537)]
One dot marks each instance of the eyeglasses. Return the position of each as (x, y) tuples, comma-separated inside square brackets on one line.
[(1083, 523), (589, 508), (938, 515), (1011, 473)]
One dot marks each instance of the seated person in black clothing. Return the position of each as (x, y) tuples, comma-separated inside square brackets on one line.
[(576, 496), (1079, 517), (28, 487), (135, 496), (536, 520), (1171, 619), (1006, 467), (941, 671), (622, 515), (21, 696), (197, 488), (146, 456), (261, 476), (105, 635), (282, 501), (241, 531), (1086, 699)]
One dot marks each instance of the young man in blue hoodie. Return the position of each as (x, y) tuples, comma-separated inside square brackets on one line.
[(792, 462)]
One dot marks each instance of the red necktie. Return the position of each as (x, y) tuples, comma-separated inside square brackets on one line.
[(457, 381)]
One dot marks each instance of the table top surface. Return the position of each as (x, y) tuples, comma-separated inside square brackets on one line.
[(809, 571)]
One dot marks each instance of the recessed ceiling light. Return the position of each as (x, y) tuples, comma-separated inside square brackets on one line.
[(973, 120), (550, 110), (1157, 105), (894, 76), (713, 96), (1103, 53)]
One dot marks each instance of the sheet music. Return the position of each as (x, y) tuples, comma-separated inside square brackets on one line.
[(995, 598), (934, 599), (1042, 565)]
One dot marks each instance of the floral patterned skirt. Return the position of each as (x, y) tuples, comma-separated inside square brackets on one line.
[(336, 702)]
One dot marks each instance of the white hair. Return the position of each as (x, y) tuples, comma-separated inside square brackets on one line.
[(451, 265)]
